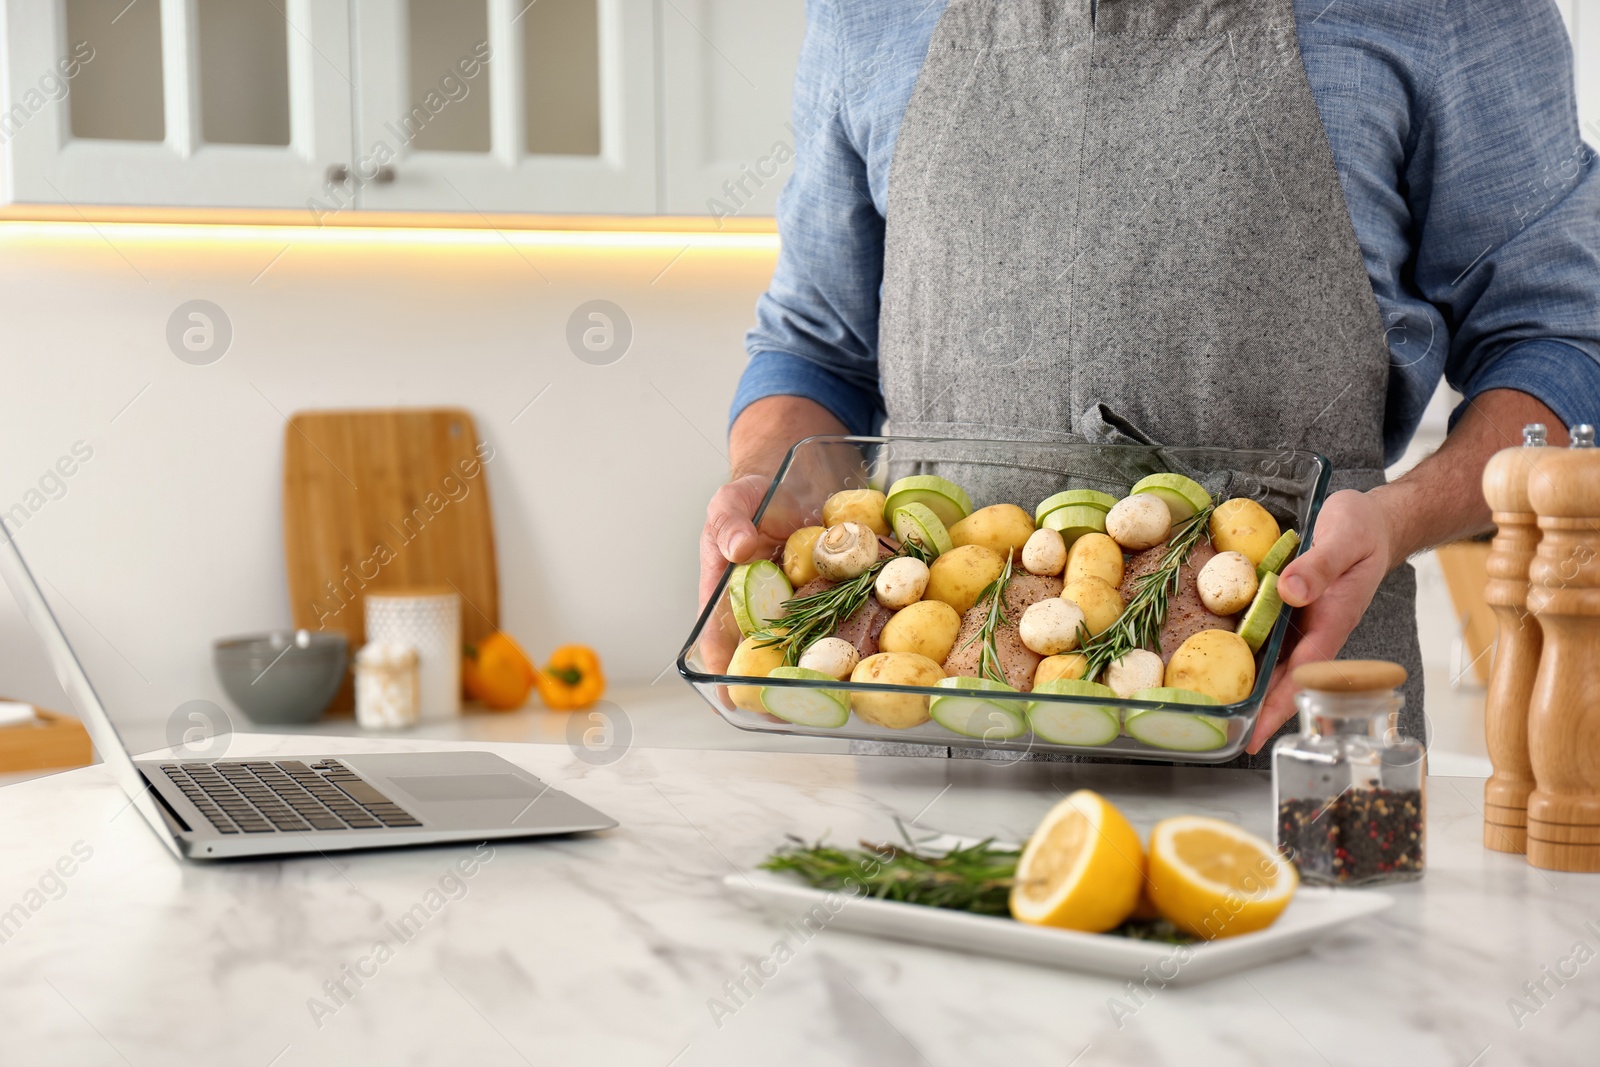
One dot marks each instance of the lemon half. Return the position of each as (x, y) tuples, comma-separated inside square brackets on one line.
[(1211, 879), (1082, 869)]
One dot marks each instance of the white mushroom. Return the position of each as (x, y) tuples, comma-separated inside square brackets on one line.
[(1139, 521), (1134, 670), (1045, 553), (1227, 583), (1050, 626), (833, 656), (845, 551), (901, 583)]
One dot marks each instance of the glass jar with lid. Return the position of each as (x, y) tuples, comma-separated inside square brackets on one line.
[(1348, 789), (386, 686)]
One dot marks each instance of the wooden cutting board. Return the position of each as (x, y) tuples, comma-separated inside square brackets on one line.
[(51, 740), (384, 500)]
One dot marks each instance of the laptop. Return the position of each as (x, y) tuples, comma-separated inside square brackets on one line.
[(217, 808)]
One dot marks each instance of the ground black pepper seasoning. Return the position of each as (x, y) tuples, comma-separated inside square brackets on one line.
[(1349, 788)]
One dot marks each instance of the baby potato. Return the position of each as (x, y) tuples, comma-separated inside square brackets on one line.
[(1244, 526), (857, 505), (1001, 527), (928, 628), (1067, 665), (1100, 600), (958, 576), (1050, 626), (1095, 554), (1215, 662), (897, 711), (798, 566), (751, 661)]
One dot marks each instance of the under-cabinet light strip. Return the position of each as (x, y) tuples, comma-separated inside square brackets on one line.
[(374, 235)]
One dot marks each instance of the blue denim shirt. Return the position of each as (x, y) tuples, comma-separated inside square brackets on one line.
[(1455, 132)]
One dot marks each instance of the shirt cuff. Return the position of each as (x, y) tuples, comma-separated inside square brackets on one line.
[(1563, 377), (782, 374)]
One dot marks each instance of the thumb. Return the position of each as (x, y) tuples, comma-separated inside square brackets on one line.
[(1309, 576), (1341, 542), (734, 534)]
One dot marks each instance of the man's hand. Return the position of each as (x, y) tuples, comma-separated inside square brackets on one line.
[(1360, 537), (1333, 581), (729, 536), (761, 436)]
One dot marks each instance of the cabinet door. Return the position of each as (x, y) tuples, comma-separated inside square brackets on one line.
[(483, 106), (191, 103), (728, 72)]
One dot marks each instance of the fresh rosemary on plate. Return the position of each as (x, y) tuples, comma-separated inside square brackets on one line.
[(810, 618), (976, 878), (989, 655), (1140, 624)]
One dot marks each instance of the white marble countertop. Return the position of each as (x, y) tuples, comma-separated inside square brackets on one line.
[(606, 949)]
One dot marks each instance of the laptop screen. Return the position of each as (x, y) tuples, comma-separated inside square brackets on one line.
[(69, 671)]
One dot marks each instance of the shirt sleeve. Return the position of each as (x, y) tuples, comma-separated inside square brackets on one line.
[(1507, 205), (816, 332)]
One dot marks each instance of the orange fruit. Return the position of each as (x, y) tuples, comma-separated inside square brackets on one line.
[(497, 673)]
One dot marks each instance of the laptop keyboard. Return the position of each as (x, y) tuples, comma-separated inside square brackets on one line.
[(262, 797)]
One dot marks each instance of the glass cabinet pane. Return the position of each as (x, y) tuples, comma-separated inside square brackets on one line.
[(244, 72), (117, 94), (448, 81), (561, 77)]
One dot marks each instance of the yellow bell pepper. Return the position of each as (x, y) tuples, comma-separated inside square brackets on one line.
[(572, 679)]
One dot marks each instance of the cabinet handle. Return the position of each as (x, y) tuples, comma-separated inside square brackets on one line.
[(384, 174), (338, 173)]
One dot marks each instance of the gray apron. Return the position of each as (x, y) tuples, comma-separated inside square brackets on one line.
[(1122, 221)]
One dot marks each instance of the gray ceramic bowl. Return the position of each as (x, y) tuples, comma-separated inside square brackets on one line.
[(285, 676)]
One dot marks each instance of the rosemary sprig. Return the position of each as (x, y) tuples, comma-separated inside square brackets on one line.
[(976, 878), (810, 618), (989, 655), (1140, 623)]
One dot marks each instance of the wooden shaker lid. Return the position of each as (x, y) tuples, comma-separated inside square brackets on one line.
[(1505, 476), (1566, 483), (1349, 675)]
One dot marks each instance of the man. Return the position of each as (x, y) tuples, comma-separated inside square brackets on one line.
[(1240, 223)]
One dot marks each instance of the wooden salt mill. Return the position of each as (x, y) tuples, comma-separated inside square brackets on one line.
[(1564, 715), (1516, 655)]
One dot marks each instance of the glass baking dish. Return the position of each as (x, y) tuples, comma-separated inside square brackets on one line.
[(1289, 483)]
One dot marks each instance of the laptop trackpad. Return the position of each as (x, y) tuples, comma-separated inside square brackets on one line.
[(431, 787)]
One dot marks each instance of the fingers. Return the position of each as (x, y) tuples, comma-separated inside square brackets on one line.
[(1348, 532), (1276, 710), (1323, 629), (729, 536)]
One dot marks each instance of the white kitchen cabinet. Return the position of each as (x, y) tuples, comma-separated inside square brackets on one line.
[(727, 74), (335, 106), (174, 103), (557, 115)]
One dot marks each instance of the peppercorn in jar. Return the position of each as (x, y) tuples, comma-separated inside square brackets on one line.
[(1349, 788)]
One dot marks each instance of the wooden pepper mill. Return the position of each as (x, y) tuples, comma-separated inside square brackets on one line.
[(1516, 655), (1564, 715)]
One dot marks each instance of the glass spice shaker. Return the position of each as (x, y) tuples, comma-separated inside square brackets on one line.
[(386, 686), (1348, 789)]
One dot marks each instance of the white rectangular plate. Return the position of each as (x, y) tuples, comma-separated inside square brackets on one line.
[(1312, 915)]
